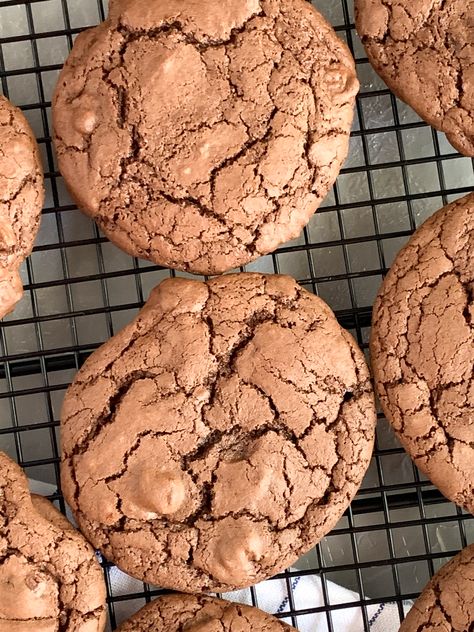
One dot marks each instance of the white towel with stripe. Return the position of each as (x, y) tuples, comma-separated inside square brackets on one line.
[(307, 596)]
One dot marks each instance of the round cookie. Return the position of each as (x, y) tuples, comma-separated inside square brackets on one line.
[(201, 135), (49, 577), (447, 602), (422, 349), (191, 613), (21, 200), (424, 51), (220, 435)]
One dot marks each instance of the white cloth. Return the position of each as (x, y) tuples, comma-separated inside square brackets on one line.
[(307, 594), (272, 596)]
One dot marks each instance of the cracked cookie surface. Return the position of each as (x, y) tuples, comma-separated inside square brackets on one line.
[(424, 51), (422, 349), (190, 613), (50, 580), (220, 435), (447, 602), (202, 135), (21, 200)]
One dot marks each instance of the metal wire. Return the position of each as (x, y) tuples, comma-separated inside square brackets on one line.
[(80, 290)]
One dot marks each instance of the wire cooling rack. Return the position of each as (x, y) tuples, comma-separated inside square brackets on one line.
[(80, 289)]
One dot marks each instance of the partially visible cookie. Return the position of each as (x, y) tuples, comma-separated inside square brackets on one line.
[(50, 580), (422, 349), (201, 135), (189, 613), (21, 200), (447, 602), (424, 51), (220, 435)]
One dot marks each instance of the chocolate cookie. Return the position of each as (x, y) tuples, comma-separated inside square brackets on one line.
[(447, 603), (190, 613), (201, 135), (220, 435), (21, 200), (423, 349), (424, 51), (50, 580)]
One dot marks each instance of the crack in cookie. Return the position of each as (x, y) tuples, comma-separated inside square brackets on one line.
[(424, 51), (21, 200), (447, 602), (202, 142), (50, 580), (189, 613), (422, 349), (238, 420)]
